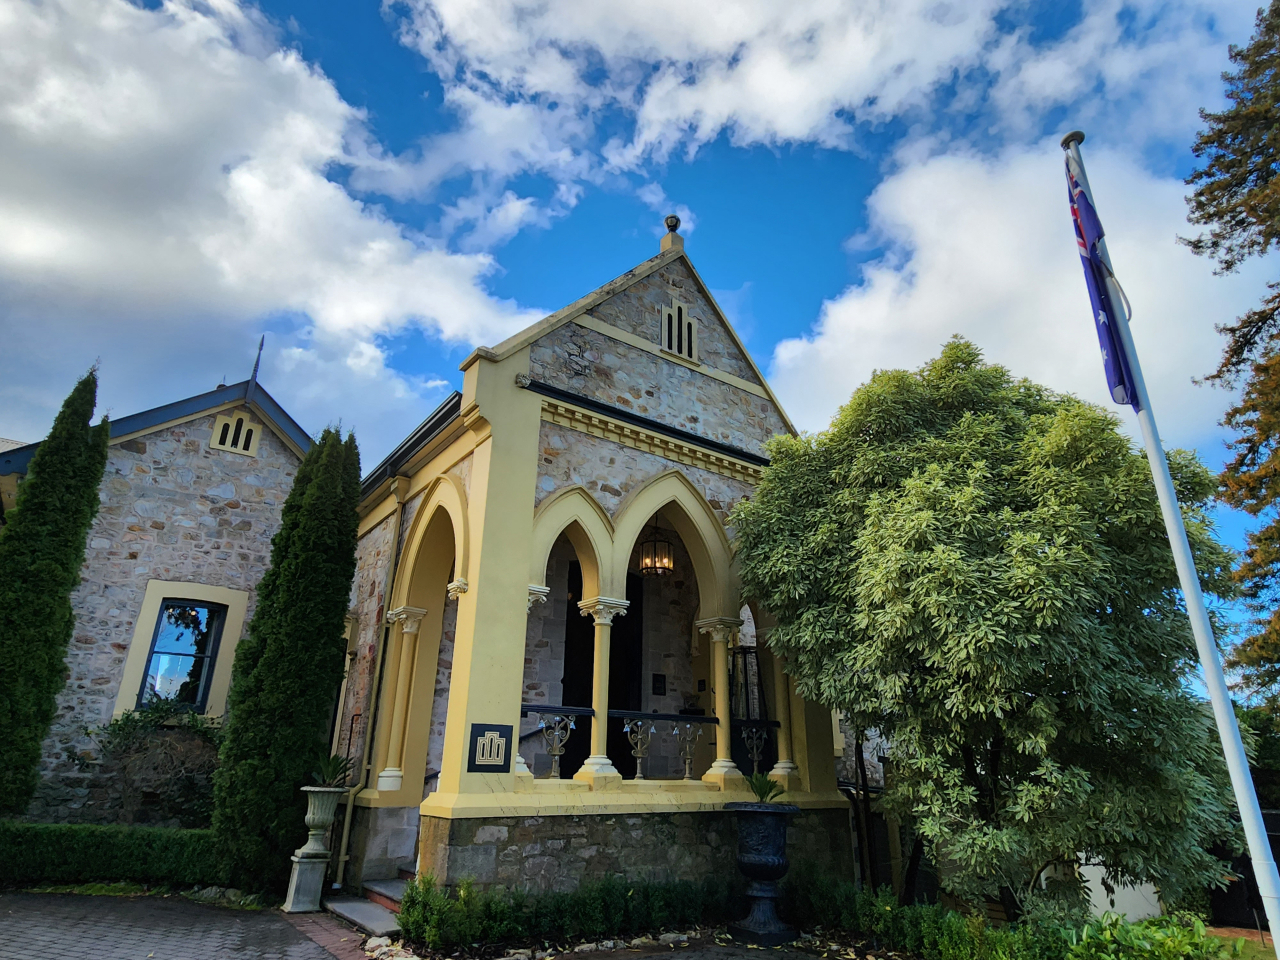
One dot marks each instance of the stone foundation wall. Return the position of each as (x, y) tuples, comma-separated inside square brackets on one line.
[(171, 509), (384, 841), (559, 853)]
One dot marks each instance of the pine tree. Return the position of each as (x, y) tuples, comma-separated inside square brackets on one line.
[(977, 568), (41, 552), (1237, 197), (287, 670)]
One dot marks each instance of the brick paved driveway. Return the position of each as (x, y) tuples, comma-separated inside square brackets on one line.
[(34, 926)]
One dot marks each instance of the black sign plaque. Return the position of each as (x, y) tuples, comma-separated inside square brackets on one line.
[(491, 748)]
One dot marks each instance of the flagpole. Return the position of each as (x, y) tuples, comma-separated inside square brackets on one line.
[(1264, 867)]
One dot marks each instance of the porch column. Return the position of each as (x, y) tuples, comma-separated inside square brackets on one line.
[(721, 630), (597, 769), (785, 769), (408, 619)]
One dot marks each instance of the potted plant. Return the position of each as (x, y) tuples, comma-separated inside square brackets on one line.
[(306, 882), (330, 776), (762, 858)]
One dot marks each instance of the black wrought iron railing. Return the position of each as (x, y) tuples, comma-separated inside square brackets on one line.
[(640, 727), (555, 723)]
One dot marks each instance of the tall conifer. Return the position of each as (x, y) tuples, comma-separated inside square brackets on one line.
[(288, 669), (1237, 200), (41, 552)]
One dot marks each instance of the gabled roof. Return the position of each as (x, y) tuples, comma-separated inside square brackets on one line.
[(246, 393), (579, 307)]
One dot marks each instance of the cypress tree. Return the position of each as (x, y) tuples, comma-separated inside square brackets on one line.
[(1237, 200), (287, 670), (41, 552)]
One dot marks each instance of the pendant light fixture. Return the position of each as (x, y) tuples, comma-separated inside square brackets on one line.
[(656, 556)]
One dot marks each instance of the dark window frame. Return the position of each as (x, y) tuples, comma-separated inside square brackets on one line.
[(211, 657)]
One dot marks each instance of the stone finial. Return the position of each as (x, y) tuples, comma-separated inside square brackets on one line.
[(671, 240)]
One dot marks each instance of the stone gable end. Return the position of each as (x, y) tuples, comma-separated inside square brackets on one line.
[(637, 309)]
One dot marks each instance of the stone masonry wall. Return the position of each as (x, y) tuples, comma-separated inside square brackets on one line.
[(638, 308), (609, 471), (590, 364), (544, 652), (559, 853), (440, 701), (171, 509)]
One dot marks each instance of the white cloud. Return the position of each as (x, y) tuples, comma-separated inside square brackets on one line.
[(983, 247), (655, 198), (165, 186), (534, 80)]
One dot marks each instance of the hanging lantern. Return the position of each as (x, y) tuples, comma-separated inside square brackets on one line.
[(656, 557)]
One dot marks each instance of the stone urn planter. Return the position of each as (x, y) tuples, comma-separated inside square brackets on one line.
[(762, 858), (306, 883)]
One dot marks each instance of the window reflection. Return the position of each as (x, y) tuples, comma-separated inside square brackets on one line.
[(183, 648)]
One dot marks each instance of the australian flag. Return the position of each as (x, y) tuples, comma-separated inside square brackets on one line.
[(1088, 232)]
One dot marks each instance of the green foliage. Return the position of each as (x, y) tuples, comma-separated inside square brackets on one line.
[(1236, 198), (41, 551), (80, 853), (288, 669), (163, 756), (765, 789), (1261, 726), (978, 568), (332, 771), (1174, 937), (610, 908)]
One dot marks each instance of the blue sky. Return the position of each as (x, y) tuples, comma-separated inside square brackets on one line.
[(380, 187)]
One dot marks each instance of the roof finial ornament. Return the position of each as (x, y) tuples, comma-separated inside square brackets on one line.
[(671, 240)]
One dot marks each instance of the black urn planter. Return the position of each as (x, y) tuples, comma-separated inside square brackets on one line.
[(762, 858)]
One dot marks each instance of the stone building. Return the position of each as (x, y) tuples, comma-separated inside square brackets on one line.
[(190, 500), (554, 676)]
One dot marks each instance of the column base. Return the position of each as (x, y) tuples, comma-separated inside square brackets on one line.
[(786, 773), (598, 771), (391, 778), (306, 884), (726, 775)]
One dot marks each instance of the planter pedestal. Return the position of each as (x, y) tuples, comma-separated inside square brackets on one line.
[(762, 859), (306, 882)]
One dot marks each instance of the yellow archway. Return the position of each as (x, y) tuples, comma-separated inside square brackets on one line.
[(445, 493), (699, 528), (576, 514)]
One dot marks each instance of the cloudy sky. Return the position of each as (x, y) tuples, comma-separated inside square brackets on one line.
[(379, 187)]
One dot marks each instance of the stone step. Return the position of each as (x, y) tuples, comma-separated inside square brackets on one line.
[(370, 917), (387, 893)]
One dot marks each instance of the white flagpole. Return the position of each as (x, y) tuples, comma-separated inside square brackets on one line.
[(1264, 867)]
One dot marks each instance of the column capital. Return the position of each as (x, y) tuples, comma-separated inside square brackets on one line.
[(604, 609), (537, 594), (409, 618), (720, 628), (457, 588)]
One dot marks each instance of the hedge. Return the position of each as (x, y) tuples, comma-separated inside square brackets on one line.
[(79, 853)]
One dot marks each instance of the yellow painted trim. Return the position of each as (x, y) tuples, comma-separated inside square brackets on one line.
[(597, 425), (621, 799), (700, 529), (135, 664), (577, 514), (444, 492)]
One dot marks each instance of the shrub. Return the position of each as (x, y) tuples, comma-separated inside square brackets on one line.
[(1179, 936), (163, 757), (607, 909), (288, 669), (41, 551), (78, 853)]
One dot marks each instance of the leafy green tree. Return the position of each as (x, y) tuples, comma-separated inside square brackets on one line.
[(41, 551), (1237, 198), (977, 567), (288, 669)]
